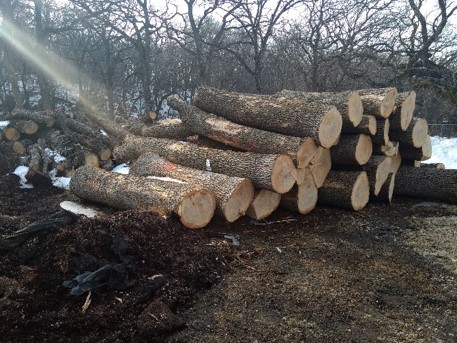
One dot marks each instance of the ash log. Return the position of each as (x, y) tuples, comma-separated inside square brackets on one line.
[(263, 204), (367, 125), (403, 113), (352, 149), (379, 102)]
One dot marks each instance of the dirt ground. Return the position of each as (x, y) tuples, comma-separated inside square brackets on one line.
[(384, 274)]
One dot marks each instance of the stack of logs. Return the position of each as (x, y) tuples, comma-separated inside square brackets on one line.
[(248, 154)]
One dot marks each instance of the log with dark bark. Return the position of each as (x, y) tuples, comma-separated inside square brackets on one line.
[(233, 194), (348, 103), (42, 118), (381, 137), (438, 165), (233, 134), (28, 127), (417, 154), (387, 190), (390, 149), (195, 206), (403, 113), (427, 183), (289, 116), (377, 169), (415, 136), (302, 198), (267, 171), (320, 166), (352, 150), (11, 134), (379, 102), (167, 128), (345, 189), (367, 125), (111, 127), (263, 204)]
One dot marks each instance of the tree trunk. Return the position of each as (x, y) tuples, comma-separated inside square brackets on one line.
[(418, 154), (415, 136), (269, 171), (377, 169), (109, 126), (167, 128), (236, 135), (367, 126), (379, 102), (195, 206), (289, 116), (264, 204), (302, 198), (403, 113), (345, 189), (42, 118), (428, 183), (233, 194), (348, 103), (352, 149)]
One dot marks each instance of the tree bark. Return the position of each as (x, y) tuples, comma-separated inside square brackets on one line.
[(415, 136), (352, 149), (428, 183), (348, 103), (377, 169), (379, 102), (167, 128), (418, 154), (268, 171), (367, 125), (403, 113), (381, 137), (345, 189), (302, 198), (320, 166), (233, 194), (387, 190), (289, 116), (42, 118), (195, 206), (264, 204)]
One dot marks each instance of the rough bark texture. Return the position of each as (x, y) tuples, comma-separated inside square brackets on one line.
[(286, 115), (233, 134), (367, 125), (377, 169), (42, 118), (194, 206), (438, 165), (379, 102), (167, 128), (387, 190), (415, 136), (109, 126), (320, 166), (233, 194), (381, 137), (390, 149), (348, 103), (267, 171), (418, 154), (352, 149), (345, 189), (403, 113), (302, 198), (264, 204), (428, 183)]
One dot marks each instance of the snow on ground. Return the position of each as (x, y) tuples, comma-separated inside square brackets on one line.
[(3, 124), (78, 209), (444, 150), (21, 171), (59, 181), (121, 169)]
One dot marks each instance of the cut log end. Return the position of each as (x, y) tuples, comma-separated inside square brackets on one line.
[(307, 195), (197, 209), (11, 134), (105, 154), (388, 103), (364, 149), (239, 201), (355, 108), (92, 160), (427, 149), (282, 179), (382, 173), (360, 192), (407, 109), (372, 125), (321, 166), (420, 133), (330, 128), (264, 204), (307, 152)]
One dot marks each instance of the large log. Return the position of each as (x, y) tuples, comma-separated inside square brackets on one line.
[(367, 125), (233, 194), (108, 125), (352, 149), (348, 103), (233, 134), (403, 112), (264, 204), (268, 171), (379, 102), (381, 137), (167, 128), (345, 189), (377, 168), (42, 118), (286, 115), (302, 198), (195, 206), (428, 183), (417, 154), (415, 135)]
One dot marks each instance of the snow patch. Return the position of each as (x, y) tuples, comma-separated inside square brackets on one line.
[(166, 178), (103, 132), (75, 208), (59, 181), (3, 124), (54, 155), (21, 171), (444, 150), (208, 165), (121, 169)]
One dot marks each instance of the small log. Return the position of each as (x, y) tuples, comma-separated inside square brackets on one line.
[(417, 154), (233, 194), (379, 102), (345, 189), (42, 118), (348, 103), (377, 169), (367, 125), (111, 127), (390, 149), (352, 149), (266, 171), (289, 116), (11, 134), (167, 128), (264, 204), (308, 153), (19, 148), (415, 136), (233, 134), (427, 183), (194, 206), (91, 159), (28, 127), (403, 113), (387, 190), (35, 161), (302, 198), (320, 166), (438, 165), (381, 137)]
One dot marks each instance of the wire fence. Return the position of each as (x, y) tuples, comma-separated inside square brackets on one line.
[(443, 130)]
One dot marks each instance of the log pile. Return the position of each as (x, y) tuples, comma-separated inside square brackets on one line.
[(242, 154)]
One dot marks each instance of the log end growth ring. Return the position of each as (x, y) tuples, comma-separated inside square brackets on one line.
[(197, 209), (239, 201), (282, 179), (330, 128), (360, 192)]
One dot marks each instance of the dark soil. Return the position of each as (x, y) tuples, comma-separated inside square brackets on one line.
[(384, 274)]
